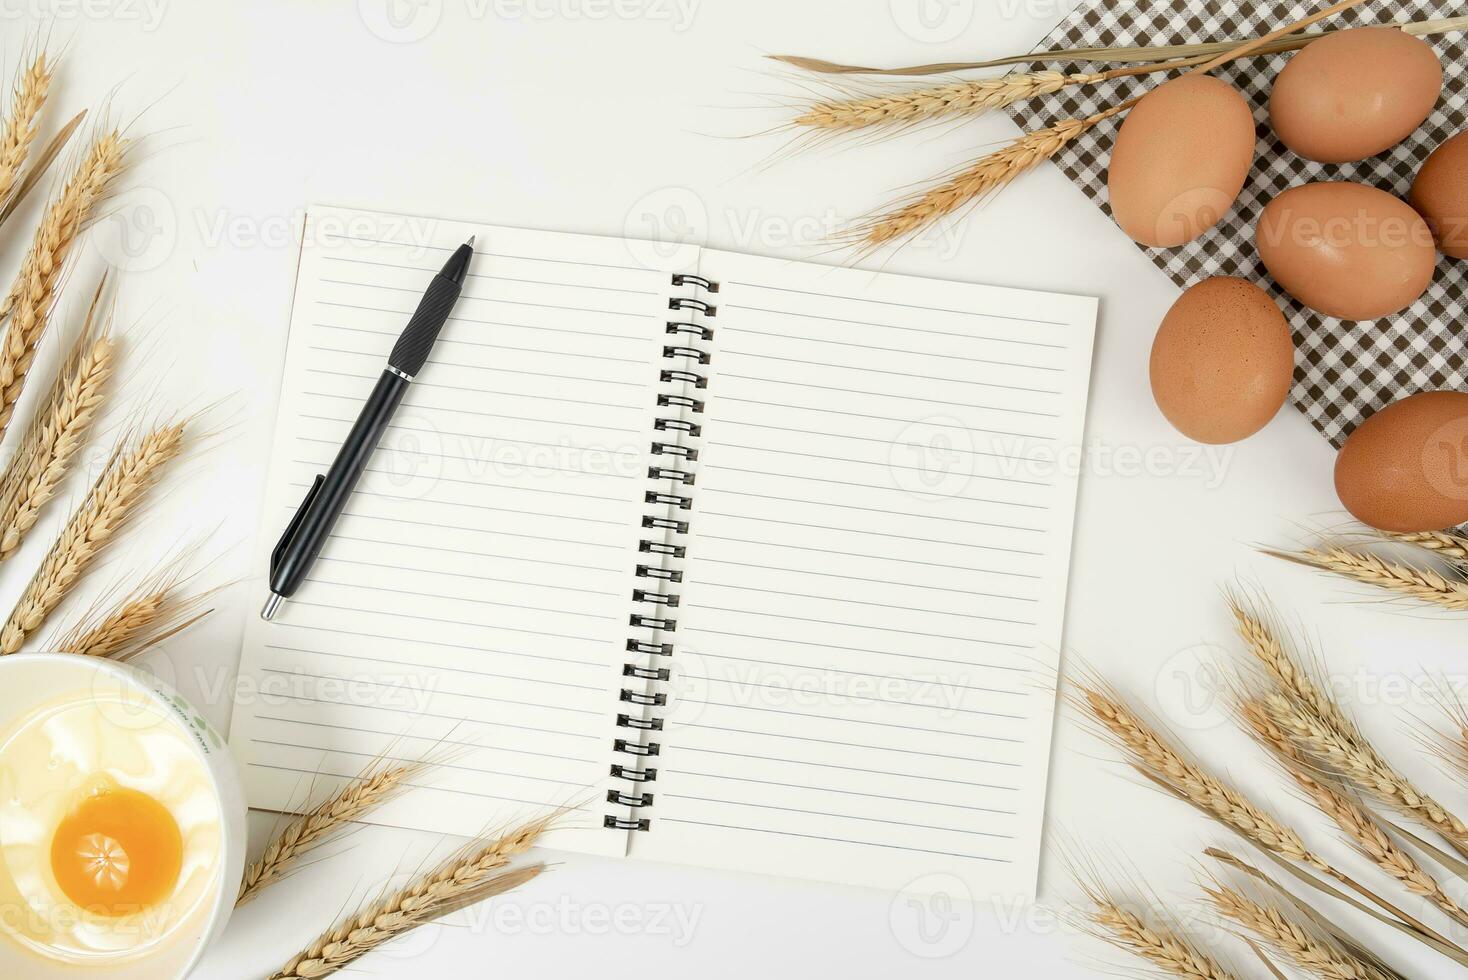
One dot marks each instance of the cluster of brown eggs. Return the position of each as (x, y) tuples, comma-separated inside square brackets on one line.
[(1223, 359)]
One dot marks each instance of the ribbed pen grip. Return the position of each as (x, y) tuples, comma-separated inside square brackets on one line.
[(410, 353)]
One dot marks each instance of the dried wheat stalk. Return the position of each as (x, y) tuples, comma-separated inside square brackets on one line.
[(1362, 766), (1165, 947), (955, 99), (1422, 584), (1318, 727), (352, 802), (1125, 55), (154, 611), (1153, 756), (470, 876), (1309, 950), (20, 126), (995, 171), (1444, 544), (1361, 829), (51, 441), (28, 305), (392, 917), (113, 499)]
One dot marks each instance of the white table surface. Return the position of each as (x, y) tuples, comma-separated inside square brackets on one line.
[(602, 116)]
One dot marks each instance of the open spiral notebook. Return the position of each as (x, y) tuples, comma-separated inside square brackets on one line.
[(764, 562)]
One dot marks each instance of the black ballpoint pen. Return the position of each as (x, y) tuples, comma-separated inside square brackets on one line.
[(313, 520)]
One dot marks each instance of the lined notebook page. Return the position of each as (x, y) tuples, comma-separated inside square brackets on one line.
[(868, 636), (472, 603)]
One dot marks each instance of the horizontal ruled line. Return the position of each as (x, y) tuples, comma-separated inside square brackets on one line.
[(724, 352), (486, 346), (857, 554), (873, 510), (518, 372), (417, 665), (838, 816), (430, 714), (861, 626), (862, 415), (832, 765), (891, 465), (484, 415), (447, 622), (864, 602), (839, 840), (496, 392), (878, 724), (435, 740), (860, 673), (888, 394), (471, 647), (438, 764), (492, 439), (357, 682), (705, 559), (843, 792), (877, 534), (877, 486), (398, 567), (945, 355)]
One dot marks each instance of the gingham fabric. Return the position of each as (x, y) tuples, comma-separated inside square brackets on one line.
[(1344, 370)]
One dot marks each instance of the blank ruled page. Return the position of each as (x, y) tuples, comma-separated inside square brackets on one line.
[(472, 602), (867, 640)]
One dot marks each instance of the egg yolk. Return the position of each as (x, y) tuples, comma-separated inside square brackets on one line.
[(118, 851)]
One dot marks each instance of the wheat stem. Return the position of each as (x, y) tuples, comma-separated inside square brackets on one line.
[(113, 499), (28, 305), (20, 126), (351, 803)]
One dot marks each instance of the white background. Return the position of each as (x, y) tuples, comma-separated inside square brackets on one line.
[(638, 118)]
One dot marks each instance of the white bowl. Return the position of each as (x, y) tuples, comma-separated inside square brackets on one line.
[(30, 680)]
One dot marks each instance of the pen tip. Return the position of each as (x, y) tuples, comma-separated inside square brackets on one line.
[(470, 242)]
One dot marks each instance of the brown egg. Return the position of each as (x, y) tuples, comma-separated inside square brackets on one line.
[(1440, 194), (1179, 160), (1346, 250), (1222, 360), (1354, 93), (1406, 467)]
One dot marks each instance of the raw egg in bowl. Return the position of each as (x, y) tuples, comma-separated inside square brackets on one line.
[(122, 823)]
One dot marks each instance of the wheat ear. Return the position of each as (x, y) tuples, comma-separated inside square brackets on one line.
[(955, 99), (1362, 766), (1153, 756), (1310, 951), (1163, 948), (1422, 584), (351, 803), (113, 499), (458, 881), (1444, 544), (1360, 827), (20, 126), (392, 917), (28, 305), (150, 614), (995, 171), (1318, 726), (35, 471)]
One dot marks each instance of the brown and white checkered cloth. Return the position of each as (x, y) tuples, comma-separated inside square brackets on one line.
[(1344, 370)]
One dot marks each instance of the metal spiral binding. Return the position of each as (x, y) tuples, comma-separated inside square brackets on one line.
[(657, 601)]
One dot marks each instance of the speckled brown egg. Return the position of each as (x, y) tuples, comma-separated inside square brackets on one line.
[(1222, 361), (1354, 93), (1179, 160), (1440, 195), (1346, 250), (1406, 467)]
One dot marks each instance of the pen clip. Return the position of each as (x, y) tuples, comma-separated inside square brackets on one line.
[(295, 524)]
